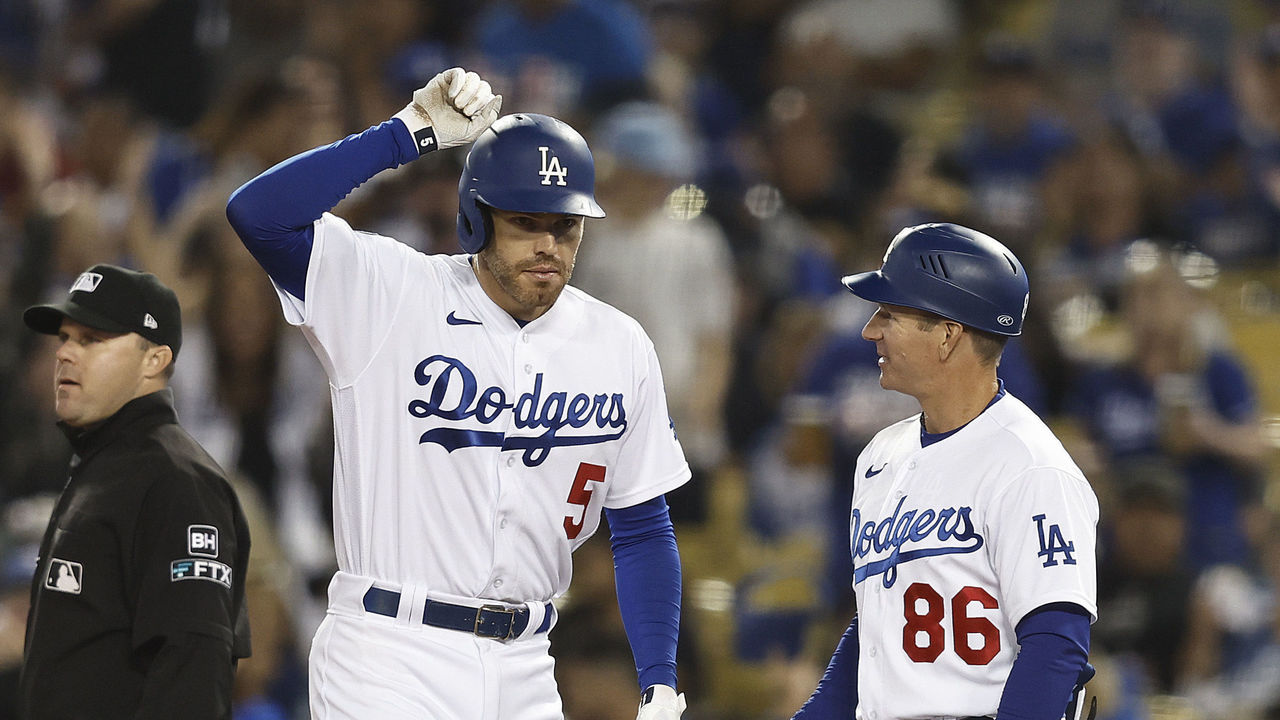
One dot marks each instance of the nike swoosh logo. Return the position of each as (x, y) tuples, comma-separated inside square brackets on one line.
[(872, 472), (453, 319)]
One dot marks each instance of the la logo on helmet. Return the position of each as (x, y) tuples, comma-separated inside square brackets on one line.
[(551, 169)]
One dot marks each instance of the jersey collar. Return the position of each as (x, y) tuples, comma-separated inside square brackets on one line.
[(928, 438), (152, 409)]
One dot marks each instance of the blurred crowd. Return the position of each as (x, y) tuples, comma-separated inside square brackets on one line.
[(749, 153)]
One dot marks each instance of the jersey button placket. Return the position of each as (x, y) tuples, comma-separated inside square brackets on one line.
[(508, 499), (511, 499), (895, 491)]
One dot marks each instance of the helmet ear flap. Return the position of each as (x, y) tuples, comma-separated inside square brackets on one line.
[(474, 225)]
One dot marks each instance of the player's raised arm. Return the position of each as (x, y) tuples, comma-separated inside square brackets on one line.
[(274, 212)]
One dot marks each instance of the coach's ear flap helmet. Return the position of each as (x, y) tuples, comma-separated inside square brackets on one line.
[(952, 271), (524, 163)]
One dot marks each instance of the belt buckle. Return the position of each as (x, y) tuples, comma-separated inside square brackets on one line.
[(511, 626)]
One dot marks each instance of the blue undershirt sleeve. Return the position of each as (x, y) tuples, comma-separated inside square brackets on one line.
[(1054, 652), (274, 213), (646, 565), (837, 692)]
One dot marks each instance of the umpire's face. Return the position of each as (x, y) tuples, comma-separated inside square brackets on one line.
[(529, 261), (98, 372)]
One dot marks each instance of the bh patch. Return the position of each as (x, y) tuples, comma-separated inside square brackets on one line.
[(202, 540)]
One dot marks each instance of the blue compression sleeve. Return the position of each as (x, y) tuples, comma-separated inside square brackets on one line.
[(273, 213), (837, 692), (1055, 649), (646, 566)]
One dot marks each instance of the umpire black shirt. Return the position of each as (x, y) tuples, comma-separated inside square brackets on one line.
[(137, 605)]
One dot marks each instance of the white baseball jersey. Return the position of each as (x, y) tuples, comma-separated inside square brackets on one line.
[(952, 545), (472, 455)]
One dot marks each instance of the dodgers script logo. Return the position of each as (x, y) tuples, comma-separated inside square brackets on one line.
[(898, 532), (453, 394)]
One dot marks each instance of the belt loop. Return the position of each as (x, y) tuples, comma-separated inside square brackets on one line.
[(541, 618), (551, 616), (412, 599), (535, 620)]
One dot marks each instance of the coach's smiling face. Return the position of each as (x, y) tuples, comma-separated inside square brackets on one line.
[(907, 343), (529, 260)]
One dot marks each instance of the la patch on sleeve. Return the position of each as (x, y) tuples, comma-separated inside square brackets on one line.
[(1053, 546), (202, 541)]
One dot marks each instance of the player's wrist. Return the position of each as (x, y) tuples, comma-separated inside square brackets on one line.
[(419, 127), (660, 702)]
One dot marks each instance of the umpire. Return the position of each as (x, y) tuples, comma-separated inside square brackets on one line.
[(137, 604)]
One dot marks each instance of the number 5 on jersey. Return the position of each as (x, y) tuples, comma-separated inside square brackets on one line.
[(580, 494)]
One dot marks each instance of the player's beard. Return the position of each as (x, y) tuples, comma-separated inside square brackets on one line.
[(523, 289)]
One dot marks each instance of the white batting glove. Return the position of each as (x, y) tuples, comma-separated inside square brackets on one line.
[(452, 109), (660, 702)]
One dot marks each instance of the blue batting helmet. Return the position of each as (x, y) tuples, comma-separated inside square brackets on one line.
[(952, 271), (524, 163)]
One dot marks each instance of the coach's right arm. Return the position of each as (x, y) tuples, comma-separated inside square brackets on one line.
[(837, 694)]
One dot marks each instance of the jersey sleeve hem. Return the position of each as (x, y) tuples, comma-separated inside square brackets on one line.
[(297, 312), (176, 628), (649, 492), (1021, 612)]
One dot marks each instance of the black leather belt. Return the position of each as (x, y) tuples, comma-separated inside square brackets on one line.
[(490, 621)]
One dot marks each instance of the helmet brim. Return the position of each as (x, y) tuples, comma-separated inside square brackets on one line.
[(538, 201), (872, 286), (875, 287)]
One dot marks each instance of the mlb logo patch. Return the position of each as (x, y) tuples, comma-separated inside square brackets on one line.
[(202, 540), (64, 576), (87, 282)]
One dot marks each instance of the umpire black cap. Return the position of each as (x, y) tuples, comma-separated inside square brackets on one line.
[(116, 300)]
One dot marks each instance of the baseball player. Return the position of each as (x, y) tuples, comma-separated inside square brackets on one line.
[(972, 531), (485, 414)]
